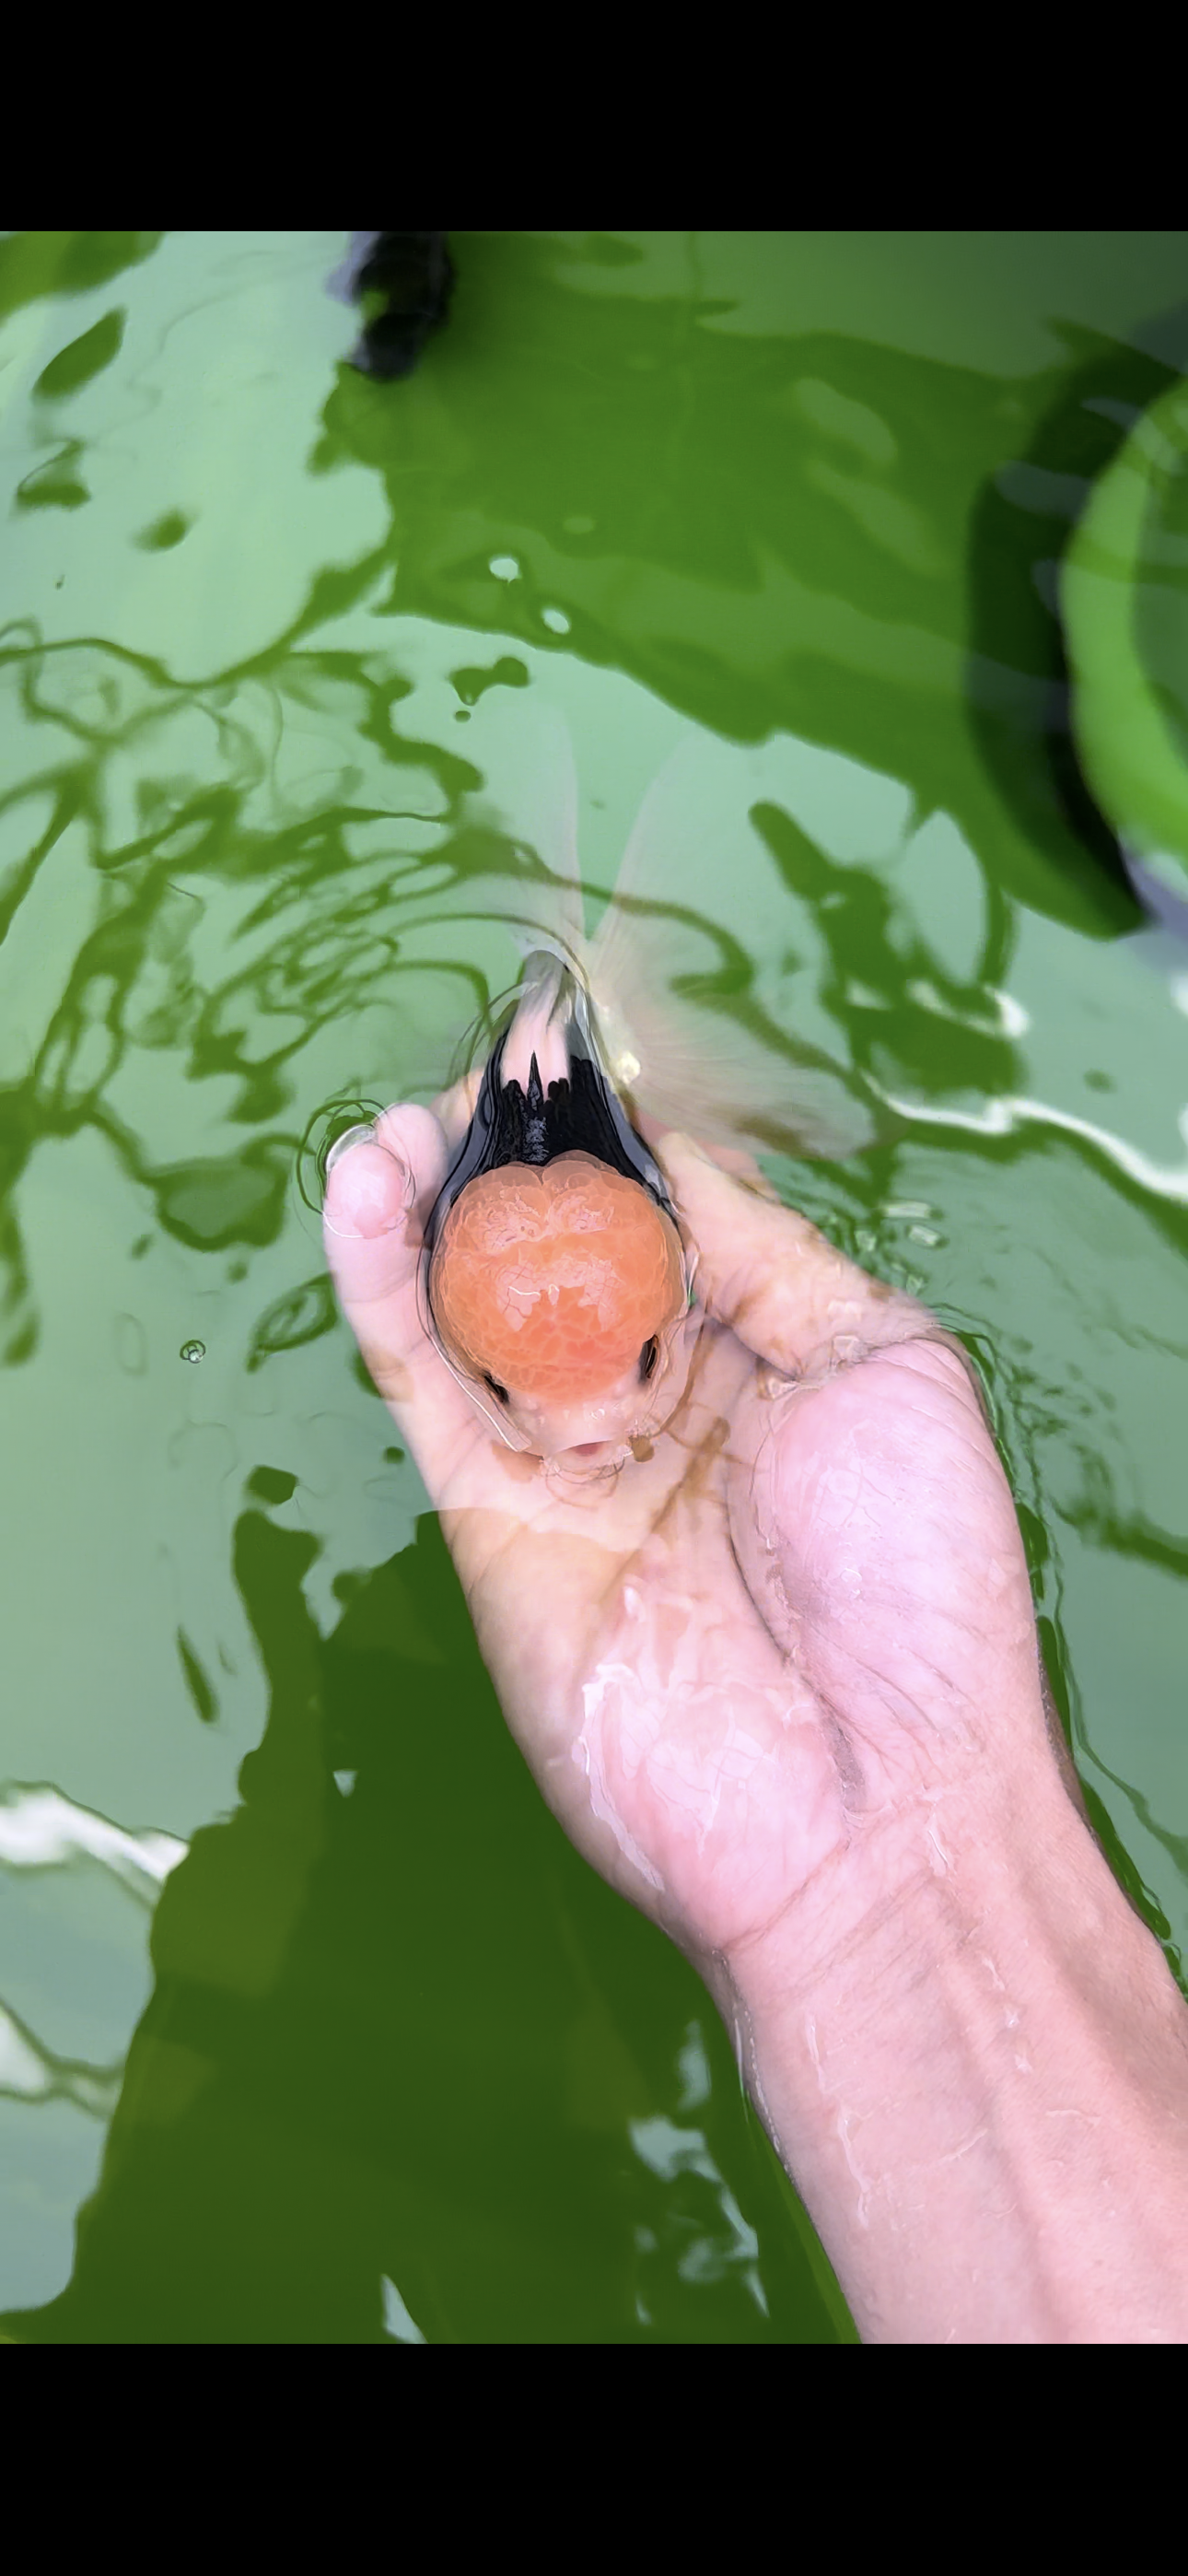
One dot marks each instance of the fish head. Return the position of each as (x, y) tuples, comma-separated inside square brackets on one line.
[(556, 1280), (557, 1287)]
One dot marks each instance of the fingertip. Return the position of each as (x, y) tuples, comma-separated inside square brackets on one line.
[(672, 1148), (380, 1185), (733, 1160), (414, 1138), (453, 1109), (693, 1171), (369, 1188)]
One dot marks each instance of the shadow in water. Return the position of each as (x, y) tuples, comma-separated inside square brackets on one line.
[(337, 2079), (316, 912), (816, 587), (340, 2078)]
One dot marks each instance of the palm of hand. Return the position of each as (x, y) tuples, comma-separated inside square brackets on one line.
[(725, 1663)]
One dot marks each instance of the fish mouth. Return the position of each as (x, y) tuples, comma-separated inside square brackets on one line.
[(588, 1463)]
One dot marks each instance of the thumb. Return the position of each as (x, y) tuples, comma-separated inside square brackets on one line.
[(380, 1188)]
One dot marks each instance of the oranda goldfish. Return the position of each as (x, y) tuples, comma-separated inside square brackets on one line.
[(555, 1279)]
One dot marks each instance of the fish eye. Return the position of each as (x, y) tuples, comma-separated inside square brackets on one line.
[(648, 1357), (496, 1389)]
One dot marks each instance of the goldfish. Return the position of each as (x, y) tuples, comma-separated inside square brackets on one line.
[(556, 1279), (556, 1276)]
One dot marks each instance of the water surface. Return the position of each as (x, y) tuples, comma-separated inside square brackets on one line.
[(313, 2028)]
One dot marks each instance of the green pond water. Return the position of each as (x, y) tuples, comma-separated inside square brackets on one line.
[(312, 2027)]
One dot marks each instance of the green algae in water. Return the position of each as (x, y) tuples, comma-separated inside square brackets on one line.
[(315, 2022)]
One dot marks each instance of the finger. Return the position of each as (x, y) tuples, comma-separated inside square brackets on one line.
[(454, 1109), (744, 1169), (379, 1193), (729, 1158), (790, 1295), (380, 1183)]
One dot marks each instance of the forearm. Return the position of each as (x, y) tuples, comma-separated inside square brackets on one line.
[(978, 2079)]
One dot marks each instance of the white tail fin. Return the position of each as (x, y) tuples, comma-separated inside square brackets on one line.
[(705, 970)]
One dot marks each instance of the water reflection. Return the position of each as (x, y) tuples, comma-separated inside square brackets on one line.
[(398, 2034), (76, 1895), (1024, 516), (296, 2090), (243, 946)]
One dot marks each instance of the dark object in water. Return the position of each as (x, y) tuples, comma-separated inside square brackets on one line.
[(404, 282)]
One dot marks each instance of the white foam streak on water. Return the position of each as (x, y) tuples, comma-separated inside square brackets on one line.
[(399, 2327), (669, 2150), (40, 1829), (1002, 1117), (22, 2069), (33, 2072)]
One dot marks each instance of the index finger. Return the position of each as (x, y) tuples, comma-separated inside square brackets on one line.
[(788, 1293)]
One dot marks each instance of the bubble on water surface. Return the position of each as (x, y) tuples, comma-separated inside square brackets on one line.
[(193, 1351), (504, 567), (328, 1132)]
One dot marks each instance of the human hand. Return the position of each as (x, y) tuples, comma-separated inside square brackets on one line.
[(733, 1665)]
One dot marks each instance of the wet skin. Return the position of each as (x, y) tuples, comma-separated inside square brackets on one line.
[(780, 1682), (740, 1655)]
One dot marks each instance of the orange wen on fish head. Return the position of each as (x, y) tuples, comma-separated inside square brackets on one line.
[(553, 1280)]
